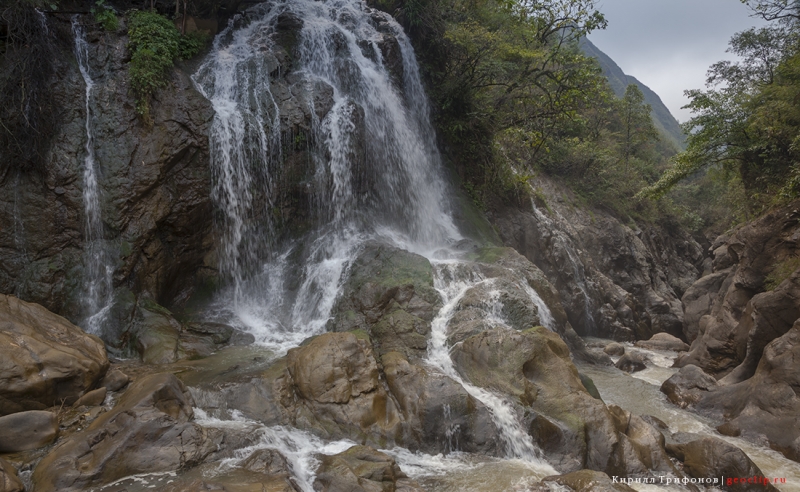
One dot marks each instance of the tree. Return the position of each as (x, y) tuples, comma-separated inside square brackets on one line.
[(747, 120), (788, 10), (638, 127)]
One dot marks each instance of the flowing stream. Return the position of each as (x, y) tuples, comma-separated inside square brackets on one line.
[(97, 261)]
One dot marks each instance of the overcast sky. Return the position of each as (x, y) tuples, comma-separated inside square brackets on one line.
[(669, 44)]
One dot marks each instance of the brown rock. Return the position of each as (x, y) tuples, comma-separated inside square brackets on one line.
[(712, 457), (115, 380), (688, 386), (92, 398), (9, 481), (589, 481), (148, 430), (631, 362), (359, 469), (44, 359), (614, 349), (27, 430), (663, 341)]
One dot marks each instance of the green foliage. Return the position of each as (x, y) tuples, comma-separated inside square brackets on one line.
[(155, 43), (105, 15), (746, 124)]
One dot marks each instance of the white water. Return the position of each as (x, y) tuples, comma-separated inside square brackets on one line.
[(452, 279), (97, 263), (640, 393), (283, 293)]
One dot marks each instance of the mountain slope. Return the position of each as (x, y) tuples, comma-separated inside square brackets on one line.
[(619, 80)]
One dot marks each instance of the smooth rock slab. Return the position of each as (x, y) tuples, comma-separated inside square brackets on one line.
[(44, 359), (27, 430)]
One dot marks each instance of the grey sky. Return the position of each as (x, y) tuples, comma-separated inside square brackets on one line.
[(669, 44)]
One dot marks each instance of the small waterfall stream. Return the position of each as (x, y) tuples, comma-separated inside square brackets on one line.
[(97, 263), (452, 279)]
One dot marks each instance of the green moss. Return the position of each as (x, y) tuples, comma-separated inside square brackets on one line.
[(781, 271), (154, 307), (490, 254), (360, 334)]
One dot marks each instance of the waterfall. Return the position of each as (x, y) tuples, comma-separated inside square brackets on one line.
[(97, 261), (452, 279), (375, 168)]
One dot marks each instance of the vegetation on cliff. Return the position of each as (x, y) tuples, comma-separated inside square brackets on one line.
[(746, 123), (516, 96)]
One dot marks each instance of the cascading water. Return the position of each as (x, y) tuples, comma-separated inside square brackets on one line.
[(376, 166), (97, 264), (452, 279)]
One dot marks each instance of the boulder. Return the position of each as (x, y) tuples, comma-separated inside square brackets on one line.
[(335, 378), (44, 359), (156, 332), (443, 417), (766, 406), (27, 430), (360, 469), (9, 481), (588, 481), (389, 294), (115, 380), (533, 368), (614, 349), (631, 362), (688, 386), (712, 457), (92, 398), (663, 341), (148, 430)]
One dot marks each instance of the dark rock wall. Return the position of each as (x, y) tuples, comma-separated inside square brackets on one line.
[(632, 276), (154, 186)]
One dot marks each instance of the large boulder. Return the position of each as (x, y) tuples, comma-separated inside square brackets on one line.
[(360, 469), (711, 458), (574, 429), (663, 341), (27, 430), (44, 359), (389, 294), (688, 386), (148, 430)]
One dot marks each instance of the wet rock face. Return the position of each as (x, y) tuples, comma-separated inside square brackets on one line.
[(615, 281), (712, 457), (389, 294), (149, 430), (588, 481), (663, 341), (44, 359), (154, 184), (688, 386)]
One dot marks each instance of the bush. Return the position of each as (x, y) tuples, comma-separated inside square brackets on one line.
[(155, 43), (105, 16)]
